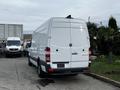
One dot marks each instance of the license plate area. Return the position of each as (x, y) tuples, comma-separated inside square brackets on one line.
[(60, 65)]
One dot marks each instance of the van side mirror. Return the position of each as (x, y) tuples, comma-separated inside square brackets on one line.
[(28, 45)]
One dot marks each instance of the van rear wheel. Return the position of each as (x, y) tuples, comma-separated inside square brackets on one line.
[(6, 55), (29, 63), (40, 72), (75, 74)]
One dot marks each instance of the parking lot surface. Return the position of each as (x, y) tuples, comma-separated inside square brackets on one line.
[(15, 74)]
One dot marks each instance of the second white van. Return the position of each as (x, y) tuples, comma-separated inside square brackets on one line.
[(60, 46), (13, 46)]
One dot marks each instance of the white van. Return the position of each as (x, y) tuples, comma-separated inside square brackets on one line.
[(60, 46), (13, 46)]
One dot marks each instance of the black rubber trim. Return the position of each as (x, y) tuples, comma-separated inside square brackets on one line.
[(59, 62), (61, 70), (67, 70), (33, 58), (17, 52), (41, 62)]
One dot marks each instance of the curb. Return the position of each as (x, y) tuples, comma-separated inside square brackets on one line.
[(102, 78)]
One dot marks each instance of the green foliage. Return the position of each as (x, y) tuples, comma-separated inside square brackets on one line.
[(116, 44), (102, 67), (92, 28), (108, 38), (112, 23)]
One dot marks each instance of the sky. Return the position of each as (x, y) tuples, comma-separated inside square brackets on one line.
[(32, 13)]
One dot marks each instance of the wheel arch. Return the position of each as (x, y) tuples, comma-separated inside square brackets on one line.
[(38, 61)]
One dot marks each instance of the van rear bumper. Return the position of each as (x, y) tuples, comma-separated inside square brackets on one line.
[(68, 70)]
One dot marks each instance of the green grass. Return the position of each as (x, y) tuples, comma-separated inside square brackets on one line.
[(102, 67)]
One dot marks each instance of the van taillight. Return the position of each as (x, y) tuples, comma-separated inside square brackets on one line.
[(47, 54)]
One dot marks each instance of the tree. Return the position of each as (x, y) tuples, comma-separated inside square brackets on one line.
[(110, 36), (92, 28), (112, 23), (101, 39), (107, 39)]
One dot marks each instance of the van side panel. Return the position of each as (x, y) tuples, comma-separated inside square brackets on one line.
[(40, 38)]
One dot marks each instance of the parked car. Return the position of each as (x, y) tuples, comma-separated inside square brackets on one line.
[(60, 46)]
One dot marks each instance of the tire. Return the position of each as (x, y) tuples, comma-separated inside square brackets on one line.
[(6, 55), (29, 63), (27, 53), (20, 55), (75, 74), (41, 74)]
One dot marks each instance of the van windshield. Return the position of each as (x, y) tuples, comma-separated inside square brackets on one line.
[(15, 42)]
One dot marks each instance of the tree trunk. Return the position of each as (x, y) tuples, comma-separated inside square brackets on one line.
[(110, 57)]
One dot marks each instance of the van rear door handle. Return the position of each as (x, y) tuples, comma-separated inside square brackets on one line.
[(75, 53)]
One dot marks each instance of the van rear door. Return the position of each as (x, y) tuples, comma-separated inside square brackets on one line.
[(60, 39), (79, 44)]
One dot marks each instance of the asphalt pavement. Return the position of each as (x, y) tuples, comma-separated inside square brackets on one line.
[(15, 74)]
